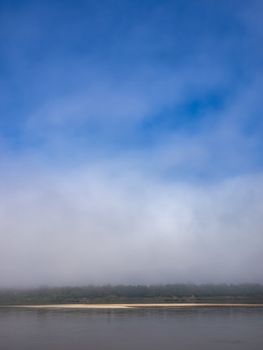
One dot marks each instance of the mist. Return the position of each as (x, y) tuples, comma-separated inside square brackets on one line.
[(95, 227)]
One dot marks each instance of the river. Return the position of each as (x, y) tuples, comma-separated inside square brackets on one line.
[(155, 329)]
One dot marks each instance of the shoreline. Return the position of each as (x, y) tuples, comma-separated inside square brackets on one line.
[(135, 306)]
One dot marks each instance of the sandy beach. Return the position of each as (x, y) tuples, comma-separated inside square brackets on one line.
[(136, 306)]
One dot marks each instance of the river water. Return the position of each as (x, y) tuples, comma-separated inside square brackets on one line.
[(162, 329)]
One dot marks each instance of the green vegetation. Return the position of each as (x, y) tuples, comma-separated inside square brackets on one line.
[(225, 293)]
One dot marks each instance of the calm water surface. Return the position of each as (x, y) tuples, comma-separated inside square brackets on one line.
[(179, 329)]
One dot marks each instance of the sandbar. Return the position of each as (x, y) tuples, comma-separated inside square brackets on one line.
[(137, 306)]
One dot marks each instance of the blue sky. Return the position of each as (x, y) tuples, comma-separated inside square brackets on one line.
[(123, 75), (153, 95)]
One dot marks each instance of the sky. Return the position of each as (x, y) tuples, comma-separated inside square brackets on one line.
[(131, 140)]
